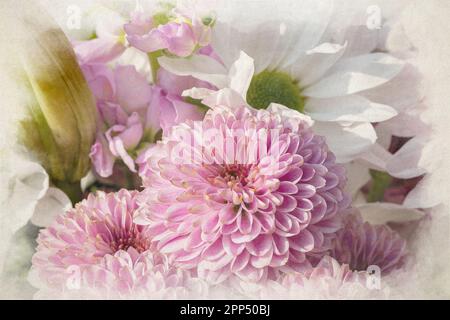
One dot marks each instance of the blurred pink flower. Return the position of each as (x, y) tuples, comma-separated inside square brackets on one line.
[(360, 245), (132, 113), (231, 215)]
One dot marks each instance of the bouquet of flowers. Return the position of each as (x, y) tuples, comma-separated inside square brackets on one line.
[(220, 149)]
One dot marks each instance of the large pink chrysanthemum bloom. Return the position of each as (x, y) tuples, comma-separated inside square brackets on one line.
[(97, 251), (180, 31), (361, 245), (260, 203)]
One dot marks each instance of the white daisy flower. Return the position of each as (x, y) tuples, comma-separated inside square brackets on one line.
[(315, 57)]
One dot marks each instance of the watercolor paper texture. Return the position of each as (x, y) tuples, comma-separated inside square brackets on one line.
[(248, 149)]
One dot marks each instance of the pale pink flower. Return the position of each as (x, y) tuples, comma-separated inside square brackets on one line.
[(182, 34), (132, 113), (97, 251), (220, 215), (361, 245)]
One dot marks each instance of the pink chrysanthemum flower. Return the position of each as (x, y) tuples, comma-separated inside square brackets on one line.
[(361, 245), (96, 250), (260, 203)]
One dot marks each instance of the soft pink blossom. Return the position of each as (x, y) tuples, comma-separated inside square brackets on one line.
[(233, 216), (132, 113), (97, 251), (361, 245)]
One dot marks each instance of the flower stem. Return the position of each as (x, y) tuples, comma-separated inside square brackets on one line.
[(154, 64), (380, 182)]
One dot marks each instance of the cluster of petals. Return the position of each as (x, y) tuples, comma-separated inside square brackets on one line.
[(97, 251), (131, 112), (222, 215)]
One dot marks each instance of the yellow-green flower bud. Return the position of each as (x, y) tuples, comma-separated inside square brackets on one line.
[(60, 125)]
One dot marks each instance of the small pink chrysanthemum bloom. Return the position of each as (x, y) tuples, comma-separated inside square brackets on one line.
[(97, 251), (361, 245), (259, 194)]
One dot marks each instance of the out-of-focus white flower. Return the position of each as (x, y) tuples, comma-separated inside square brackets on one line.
[(25, 194)]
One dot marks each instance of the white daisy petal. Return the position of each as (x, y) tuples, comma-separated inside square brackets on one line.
[(406, 124), (228, 43), (382, 213), (402, 92), (356, 74), (241, 74), (311, 67), (424, 195), (357, 176), (198, 93), (311, 20), (278, 33), (199, 66), (405, 164), (348, 108), (347, 141), (376, 157)]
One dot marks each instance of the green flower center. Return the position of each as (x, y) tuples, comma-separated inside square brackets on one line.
[(275, 87), (160, 18)]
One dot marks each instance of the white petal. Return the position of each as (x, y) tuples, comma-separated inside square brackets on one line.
[(402, 92), (277, 33), (356, 74), (407, 124), (382, 213), (288, 113), (54, 203), (225, 97), (110, 24), (198, 93), (229, 40), (405, 164), (347, 142), (199, 66), (310, 20), (348, 108), (241, 74)]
